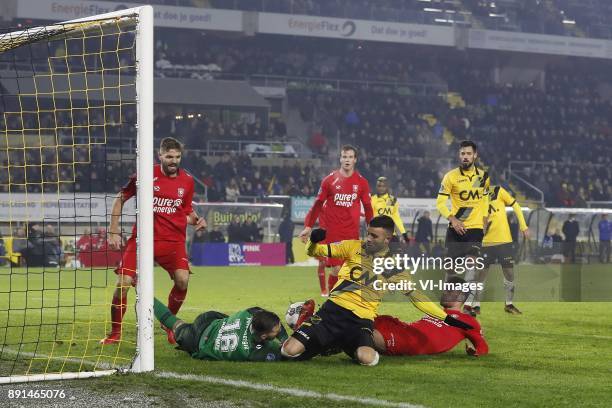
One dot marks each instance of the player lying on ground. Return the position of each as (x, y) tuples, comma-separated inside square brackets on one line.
[(253, 334), (346, 319), (430, 335), (337, 207), (173, 193)]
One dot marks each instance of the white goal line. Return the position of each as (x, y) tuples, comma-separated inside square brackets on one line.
[(294, 392)]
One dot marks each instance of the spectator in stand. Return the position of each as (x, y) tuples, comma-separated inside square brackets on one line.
[(215, 235), (605, 234), (84, 243), (53, 252), (252, 232), (571, 229), (424, 233), (232, 191), (285, 233), (234, 231), (199, 237)]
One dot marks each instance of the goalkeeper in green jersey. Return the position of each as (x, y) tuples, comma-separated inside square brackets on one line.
[(253, 334)]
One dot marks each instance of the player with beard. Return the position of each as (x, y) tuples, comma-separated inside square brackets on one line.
[(337, 206), (467, 186), (173, 194), (346, 320)]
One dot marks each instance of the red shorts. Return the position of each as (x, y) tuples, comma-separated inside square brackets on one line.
[(169, 255), (337, 237), (397, 335)]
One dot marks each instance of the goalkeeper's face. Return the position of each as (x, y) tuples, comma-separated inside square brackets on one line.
[(467, 157), (377, 240), (170, 161), (271, 335)]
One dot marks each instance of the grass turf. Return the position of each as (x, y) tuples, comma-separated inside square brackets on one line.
[(556, 354)]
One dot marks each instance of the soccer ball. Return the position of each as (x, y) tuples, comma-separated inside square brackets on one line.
[(293, 314)]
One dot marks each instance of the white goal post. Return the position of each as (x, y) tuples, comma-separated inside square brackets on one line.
[(57, 359)]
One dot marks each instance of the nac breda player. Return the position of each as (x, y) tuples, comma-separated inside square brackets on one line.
[(341, 193), (430, 335), (468, 189), (384, 203), (346, 320), (173, 194), (497, 244)]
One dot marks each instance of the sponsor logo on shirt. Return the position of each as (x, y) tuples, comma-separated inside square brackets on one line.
[(344, 200), (166, 205)]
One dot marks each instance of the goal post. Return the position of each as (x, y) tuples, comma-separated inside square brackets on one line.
[(76, 119)]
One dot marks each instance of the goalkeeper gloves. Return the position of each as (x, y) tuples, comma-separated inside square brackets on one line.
[(317, 235), (451, 321)]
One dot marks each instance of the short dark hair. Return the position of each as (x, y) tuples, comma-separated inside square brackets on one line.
[(170, 143), (383, 221), (468, 143), (264, 322), (348, 147), (381, 179)]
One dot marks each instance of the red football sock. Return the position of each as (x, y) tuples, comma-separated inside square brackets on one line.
[(321, 272), (176, 299), (117, 311), (331, 281)]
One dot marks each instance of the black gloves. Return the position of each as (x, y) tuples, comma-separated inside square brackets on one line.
[(451, 321), (317, 235)]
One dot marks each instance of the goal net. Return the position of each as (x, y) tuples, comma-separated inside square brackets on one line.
[(76, 107)]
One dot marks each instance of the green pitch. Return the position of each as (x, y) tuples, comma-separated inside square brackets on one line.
[(555, 354)]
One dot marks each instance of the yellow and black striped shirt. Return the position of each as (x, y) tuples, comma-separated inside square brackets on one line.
[(468, 191), (355, 289), (498, 229), (386, 204)]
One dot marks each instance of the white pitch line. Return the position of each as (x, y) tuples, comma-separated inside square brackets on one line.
[(294, 392)]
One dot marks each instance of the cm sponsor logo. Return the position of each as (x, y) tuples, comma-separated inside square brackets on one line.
[(468, 195)]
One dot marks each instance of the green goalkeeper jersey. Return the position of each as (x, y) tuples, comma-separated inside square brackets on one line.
[(231, 339)]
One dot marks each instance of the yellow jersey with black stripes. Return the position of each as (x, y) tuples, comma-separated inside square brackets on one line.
[(386, 204), (468, 190), (498, 228), (359, 289)]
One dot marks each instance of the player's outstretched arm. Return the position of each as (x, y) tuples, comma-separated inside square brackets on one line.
[(341, 250)]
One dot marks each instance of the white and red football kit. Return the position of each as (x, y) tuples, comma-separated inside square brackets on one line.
[(428, 335), (342, 198), (172, 197)]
